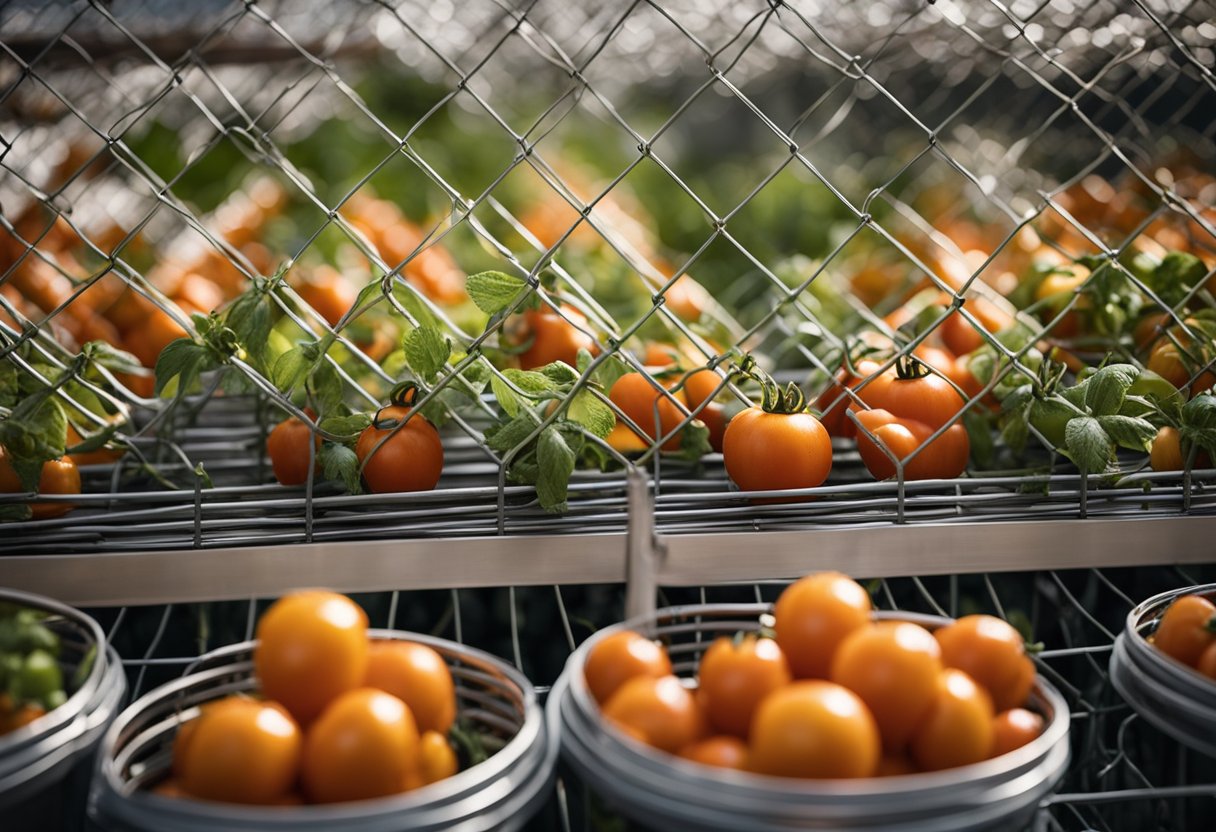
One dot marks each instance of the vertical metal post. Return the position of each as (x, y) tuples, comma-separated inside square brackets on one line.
[(641, 549)]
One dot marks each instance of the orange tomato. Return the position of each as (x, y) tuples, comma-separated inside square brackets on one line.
[(19, 717), (771, 451), (328, 293), (625, 441), (660, 712), (687, 299), (721, 752), (814, 615), (1014, 728), (735, 675), (834, 401), (549, 336), (992, 653), (438, 759), (637, 395), (410, 458), (895, 765), (1171, 363), (101, 456), (814, 729), (199, 292), (1187, 629), (419, 677), (147, 340), (620, 657), (958, 730), (962, 337), (244, 752), (312, 647), (59, 476), (895, 668), (287, 447), (362, 746), (1207, 661)]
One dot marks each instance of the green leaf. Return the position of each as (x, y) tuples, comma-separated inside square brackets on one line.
[(110, 357), (249, 320), (555, 459), (1049, 416), (1177, 274), (531, 382), (1153, 386), (560, 373), (1200, 412), (583, 361), (979, 431), (508, 399), (15, 512), (32, 436), (495, 291), (185, 361), (694, 441), (327, 387), (345, 425), (507, 436), (426, 351), (94, 441), (1107, 387), (587, 410), (290, 368), (339, 464), (10, 385), (610, 370), (409, 300), (477, 375), (1129, 432), (1088, 445)]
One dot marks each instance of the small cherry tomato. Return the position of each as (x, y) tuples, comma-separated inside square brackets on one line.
[(244, 752), (1014, 728), (438, 758), (1167, 453), (660, 712), (362, 746), (59, 476), (721, 752), (992, 653), (398, 457), (814, 729), (287, 447), (638, 396), (1187, 629), (620, 657), (419, 677), (549, 336), (1207, 661), (958, 729), (312, 647), (735, 675), (834, 402), (814, 615), (895, 668)]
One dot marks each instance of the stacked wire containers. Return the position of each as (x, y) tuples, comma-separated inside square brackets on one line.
[(664, 792), (45, 765), (1171, 696), (493, 699)]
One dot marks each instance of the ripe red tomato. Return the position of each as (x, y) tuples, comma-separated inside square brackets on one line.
[(245, 751), (362, 746), (772, 451), (735, 675), (410, 458), (1014, 728), (814, 615), (59, 476), (992, 653), (834, 402), (419, 677), (895, 668), (814, 729), (312, 647), (287, 447), (958, 730), (721, 752), (1187, 629), (620, 657), (659, 712)]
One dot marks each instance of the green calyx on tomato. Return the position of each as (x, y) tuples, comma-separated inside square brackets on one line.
[(774, 398)]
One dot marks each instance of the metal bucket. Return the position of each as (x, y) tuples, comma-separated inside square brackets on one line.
[(665, 792), (502, 792), (45, 766), (1165, 692)]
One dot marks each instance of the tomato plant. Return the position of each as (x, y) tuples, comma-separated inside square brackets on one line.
[(363, 745), (814, 615), (992, 653), (615, 660), (400, 450), (312, 647), (244, 751), (735, 675), (419, 677), (1186, 629), (958, 729), (659, 712), (289, 452), (814, 729), (778, 445), (895, 668)]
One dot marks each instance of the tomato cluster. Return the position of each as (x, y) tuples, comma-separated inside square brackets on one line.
[(832, 694), (1187, 633), (338, 717)]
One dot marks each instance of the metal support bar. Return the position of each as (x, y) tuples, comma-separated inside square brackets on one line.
[(641, 550)]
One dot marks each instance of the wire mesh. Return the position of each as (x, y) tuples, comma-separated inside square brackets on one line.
[(1124, 775)]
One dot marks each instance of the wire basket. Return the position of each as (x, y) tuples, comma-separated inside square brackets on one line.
[(38, 760), (666, 793), (501, 793), (1163, 691)]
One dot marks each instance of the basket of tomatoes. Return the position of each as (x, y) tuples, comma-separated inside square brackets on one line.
[(815, 713), (321, 723), (60, 686), (1164, 664)]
